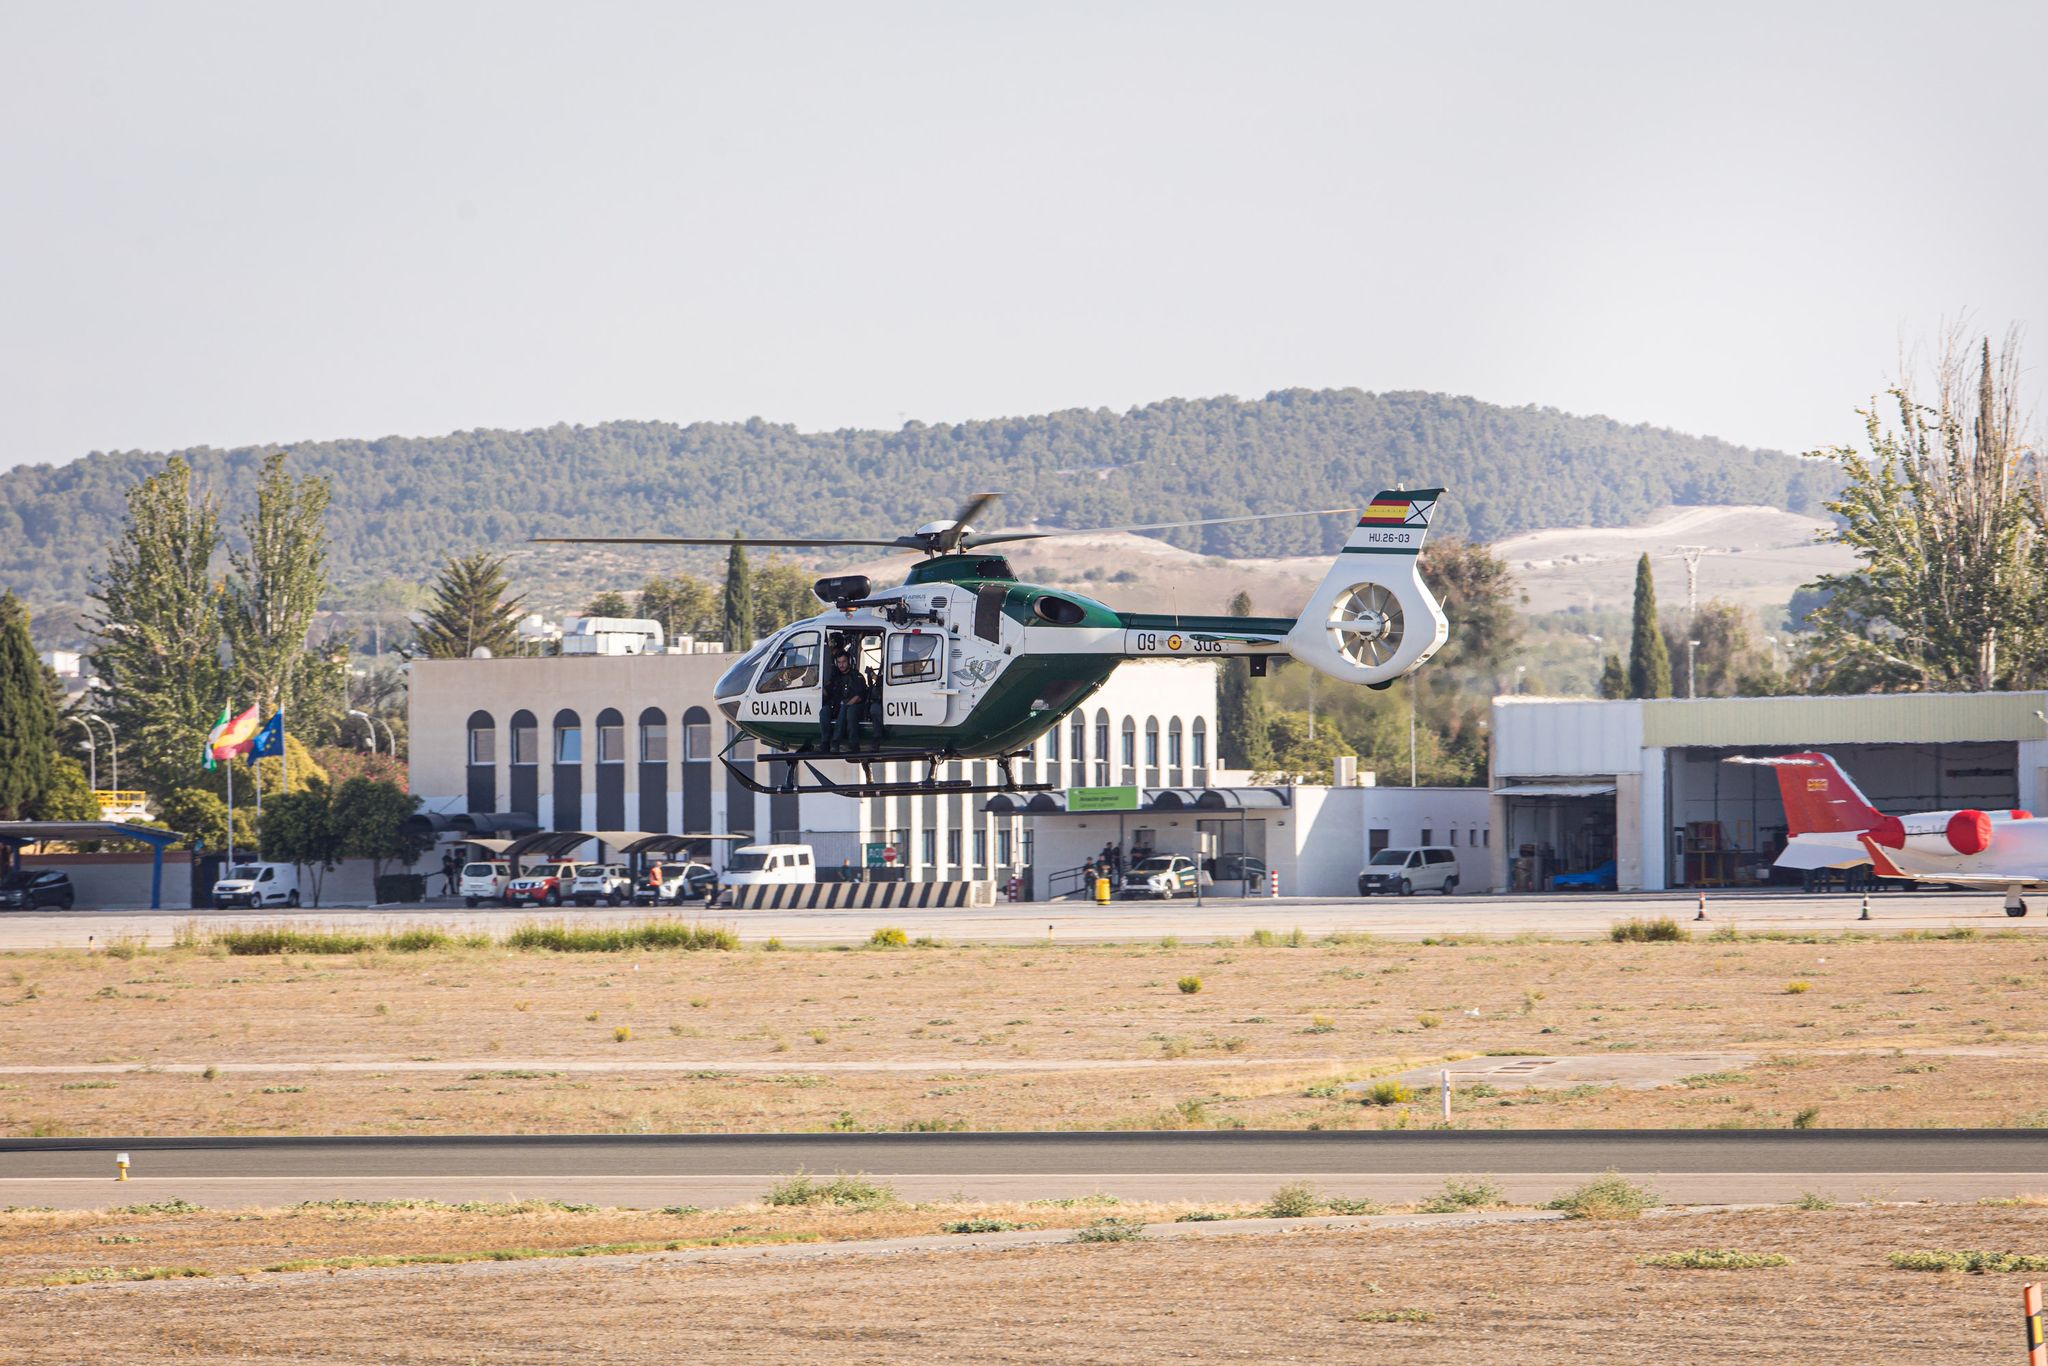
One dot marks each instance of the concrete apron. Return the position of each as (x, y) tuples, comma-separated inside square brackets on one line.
[(655, 1192)]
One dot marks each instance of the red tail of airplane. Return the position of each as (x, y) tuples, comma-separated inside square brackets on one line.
[(1820, 799)]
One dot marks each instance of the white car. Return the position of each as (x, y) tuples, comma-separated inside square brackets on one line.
[(1163, 875), (1408, 871), (484, 882), (256, 885), (595, 882), (680, 881)]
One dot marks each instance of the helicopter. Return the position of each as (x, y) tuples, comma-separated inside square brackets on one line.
[(964, 661)]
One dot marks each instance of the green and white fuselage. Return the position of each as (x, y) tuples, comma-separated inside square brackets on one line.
[(973, 664)]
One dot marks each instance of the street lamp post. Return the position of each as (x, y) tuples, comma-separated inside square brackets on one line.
[(369, 725), (113, 746), (92, 757)]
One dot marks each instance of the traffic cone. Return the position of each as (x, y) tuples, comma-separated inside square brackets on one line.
[(1703, 907)]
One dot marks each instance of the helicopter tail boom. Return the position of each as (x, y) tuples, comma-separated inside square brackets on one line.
[(1373, 619)]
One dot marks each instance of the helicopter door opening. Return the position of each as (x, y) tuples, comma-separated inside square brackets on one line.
[(913, 693)]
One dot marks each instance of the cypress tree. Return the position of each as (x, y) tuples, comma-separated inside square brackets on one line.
[(28, 722), (1613, 679), (739, 600), (1243, 731), (1649, 662)]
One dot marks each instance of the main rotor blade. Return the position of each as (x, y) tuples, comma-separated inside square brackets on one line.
[(900, 543), (996, 536), (968, 514)]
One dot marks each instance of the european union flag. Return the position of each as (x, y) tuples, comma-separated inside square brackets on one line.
[(268, 741)]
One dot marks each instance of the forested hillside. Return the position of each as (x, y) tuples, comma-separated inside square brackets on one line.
[(401, 505)]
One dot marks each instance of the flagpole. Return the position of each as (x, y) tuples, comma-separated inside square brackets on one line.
[(231, 812)]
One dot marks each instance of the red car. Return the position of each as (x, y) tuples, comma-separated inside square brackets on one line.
[(543, 886)]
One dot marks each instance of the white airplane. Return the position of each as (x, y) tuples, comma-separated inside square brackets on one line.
[(1833, 825)]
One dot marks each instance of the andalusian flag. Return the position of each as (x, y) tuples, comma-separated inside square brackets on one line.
[(231, 738), (206, 754)]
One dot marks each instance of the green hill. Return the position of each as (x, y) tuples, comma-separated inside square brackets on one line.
[(402, 504)]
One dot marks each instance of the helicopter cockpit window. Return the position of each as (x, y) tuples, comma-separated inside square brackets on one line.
[(914, 659), (793, 665), (734, 681)]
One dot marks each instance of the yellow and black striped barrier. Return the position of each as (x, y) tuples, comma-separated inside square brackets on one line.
[(826, 896), (2037, 1349)]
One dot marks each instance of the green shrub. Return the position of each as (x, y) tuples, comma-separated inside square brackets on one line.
[(1463, 1195), (1337, 1204), (847, 1192), (401, 887), (172, 1206), (276, 939), (1806, 1118), (648, 934), (1190, 985), (1716, 1259), (1388, 1092), (1203, 1216), (1661, 930), (1798, 988), (1111, 1229), (1813, 1200), (1612, 1196), (983, 1226), (1977, 1263), (1296, 1200), (888, 937)]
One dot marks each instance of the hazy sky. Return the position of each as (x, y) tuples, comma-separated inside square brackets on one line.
[(222, 224)]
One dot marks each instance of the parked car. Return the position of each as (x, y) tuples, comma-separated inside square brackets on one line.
[(1599, 878), (25, 889), (595, 882), (1238, 868), (257, 884), (1408, 871), (484, 882), (545, 885), (1163, 875), (679, 882), (767, 865)]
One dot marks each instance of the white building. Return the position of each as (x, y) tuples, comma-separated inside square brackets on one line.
[(1643, 782)]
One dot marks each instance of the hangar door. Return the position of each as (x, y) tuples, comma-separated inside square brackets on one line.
[(1728, 823), (1558, 828)]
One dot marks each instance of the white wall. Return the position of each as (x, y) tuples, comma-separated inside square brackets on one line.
[(1540, 737)]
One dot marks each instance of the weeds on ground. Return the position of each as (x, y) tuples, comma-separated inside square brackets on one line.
[(1716, 1259), (1977, 1263), (171, 1206), (1295, 1200), (276, 939), (131, 1273), (1094, 1201), (1111, 1229), (1814, 1200), (1203, 1216), (888, 937), (1463, 1195), (1661, 930), (648, 934), (1611, 1196), (1388, 1092), (1190, 985), (1392, 1316), (844, 1191), (984, 1226), (1807, 1117)]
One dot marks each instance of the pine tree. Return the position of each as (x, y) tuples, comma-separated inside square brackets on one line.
[(158, 636), (470, 611), (1649, 663), (683, 605), (739, 600), (28, 722), (1244, 736), (277, 585), (610, 603), (1613, 679)]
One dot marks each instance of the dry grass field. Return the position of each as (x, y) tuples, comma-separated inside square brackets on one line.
[(1572, 1291), (1856, 1031)]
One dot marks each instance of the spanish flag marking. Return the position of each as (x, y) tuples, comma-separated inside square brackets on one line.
[(1398, 512)]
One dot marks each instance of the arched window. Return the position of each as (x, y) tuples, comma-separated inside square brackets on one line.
[(1173, 743), (611, 737), (1052, 745), (483, 738), (653, 736), (568, 737), (1201, 742), (696, 735), (525, 738), (1128, 753), (1101, 748), (1151, 742)]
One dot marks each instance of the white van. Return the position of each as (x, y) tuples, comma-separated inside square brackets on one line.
[(1433, 868), (257, 884), (769, 865)]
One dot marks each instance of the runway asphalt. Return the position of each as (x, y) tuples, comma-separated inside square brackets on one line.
[(1563, 916), (1716, 1166)]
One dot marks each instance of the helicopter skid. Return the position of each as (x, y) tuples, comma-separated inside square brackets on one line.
[(866, 785)]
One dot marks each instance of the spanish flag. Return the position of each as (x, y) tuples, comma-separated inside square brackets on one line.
[(232, 737), (1391, 509)]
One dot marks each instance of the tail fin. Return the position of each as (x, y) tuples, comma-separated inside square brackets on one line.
[(1821, 799), (1373, 619)]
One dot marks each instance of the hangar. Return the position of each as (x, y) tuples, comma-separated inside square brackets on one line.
[(1643, 783)]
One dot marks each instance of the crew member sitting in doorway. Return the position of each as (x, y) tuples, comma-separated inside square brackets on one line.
[(842, 688), (854, 706)]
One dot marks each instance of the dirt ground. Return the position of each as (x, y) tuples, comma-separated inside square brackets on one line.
[(1860, 1031), (1553, 1292)]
